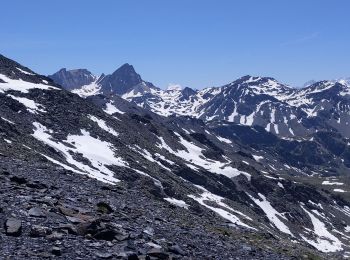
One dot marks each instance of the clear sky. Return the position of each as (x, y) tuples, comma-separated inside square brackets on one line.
[(195, 43)]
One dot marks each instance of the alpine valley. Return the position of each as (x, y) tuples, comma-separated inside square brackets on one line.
[(113, 167)]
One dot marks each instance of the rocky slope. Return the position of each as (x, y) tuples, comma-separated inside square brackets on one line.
[(103, 178)]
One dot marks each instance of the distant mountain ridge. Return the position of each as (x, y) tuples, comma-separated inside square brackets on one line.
[(72, 79), (263, 101), (84, 83)]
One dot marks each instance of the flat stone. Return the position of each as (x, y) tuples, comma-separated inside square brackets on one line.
[(176, 250), (13, 227), (157, 252), (37, 212), (104, 255)]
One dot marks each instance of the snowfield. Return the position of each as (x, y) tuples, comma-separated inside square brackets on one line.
[(99, 153)]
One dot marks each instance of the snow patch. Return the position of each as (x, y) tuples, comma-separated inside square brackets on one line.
[(8, 121), (32, 107), (99, 153), (20, 85), (178, 203), (272, 214), (25, 72), (111, 109), (325, 241), (195, 156), (224, 140), (223, 210), (332, 183), (102, 124)]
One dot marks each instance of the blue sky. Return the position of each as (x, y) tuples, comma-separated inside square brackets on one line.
[(195, 43)]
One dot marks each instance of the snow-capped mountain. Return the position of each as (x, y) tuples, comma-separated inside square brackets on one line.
[(123, 80), (282, 110), (100, 177)]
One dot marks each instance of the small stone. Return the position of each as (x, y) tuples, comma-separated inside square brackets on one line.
[(74, 220), (157, 252), (39, 231), (149, 231), (54, 236), (67, 211), (246, 248), (105, 208), (13, 227), (37, 212), (69, 228), (133, 256), (56, 251), (18, 180), (122, 237), (104, 255), (176, 250), (130, 255)]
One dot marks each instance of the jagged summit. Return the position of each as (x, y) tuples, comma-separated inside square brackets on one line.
[(73, 79), (83, 82)]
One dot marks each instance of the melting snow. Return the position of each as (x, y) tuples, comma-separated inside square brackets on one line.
[(224, 210), (224, 140), (258, 158), (325, 241), (32, 107), (332, 183), (98, 152), (178, 203), (147, 155), (88, 90), (102, 124), (194, 155), (272, 214), (339, 190), (111, 109), (20, 85), (8, 121), (8, 141), (25, 72)]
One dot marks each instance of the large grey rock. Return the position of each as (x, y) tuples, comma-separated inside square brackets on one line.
[(13, 227)]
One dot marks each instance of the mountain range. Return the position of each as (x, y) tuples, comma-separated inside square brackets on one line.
[(112, 167), (282, 110)]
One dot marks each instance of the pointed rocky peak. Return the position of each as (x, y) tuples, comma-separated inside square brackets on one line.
[(187, 93), (127, 74), (123, 80)]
